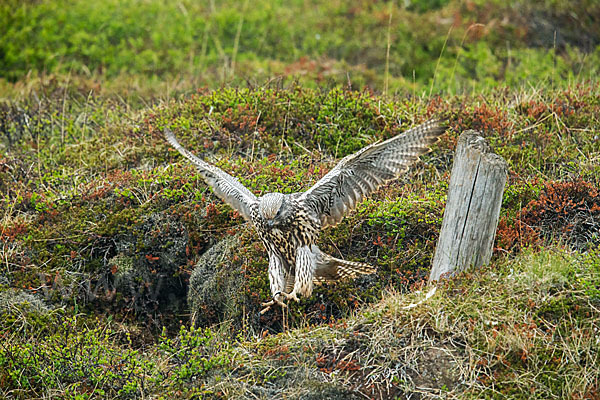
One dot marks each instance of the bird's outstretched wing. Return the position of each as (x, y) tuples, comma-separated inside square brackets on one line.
[(225, 186), (363, 172)]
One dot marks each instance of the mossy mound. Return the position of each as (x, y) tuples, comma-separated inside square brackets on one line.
[(113, 219), (216, 292)]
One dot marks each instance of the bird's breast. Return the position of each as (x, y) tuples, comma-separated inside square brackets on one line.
[(301, 230)]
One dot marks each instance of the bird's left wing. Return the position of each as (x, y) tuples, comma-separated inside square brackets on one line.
[(363, 172), (225, 186)]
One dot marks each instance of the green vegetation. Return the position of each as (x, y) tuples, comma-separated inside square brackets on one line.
[(524, 328), (433, 45), (106, 232)]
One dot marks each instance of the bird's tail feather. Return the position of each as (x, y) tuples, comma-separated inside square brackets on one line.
[(329, 268)]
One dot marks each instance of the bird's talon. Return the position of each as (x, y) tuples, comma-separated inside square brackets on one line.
[(267, 305), (290, 296), (264, 310)]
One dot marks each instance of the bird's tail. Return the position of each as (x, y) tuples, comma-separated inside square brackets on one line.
[(329, 268)]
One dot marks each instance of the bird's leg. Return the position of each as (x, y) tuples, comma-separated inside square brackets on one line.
[(267, 306)]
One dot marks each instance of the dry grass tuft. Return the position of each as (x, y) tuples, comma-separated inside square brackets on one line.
[(525, 328)]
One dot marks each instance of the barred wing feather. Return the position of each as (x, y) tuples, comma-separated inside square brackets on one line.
[(361, 173), (225, 186)]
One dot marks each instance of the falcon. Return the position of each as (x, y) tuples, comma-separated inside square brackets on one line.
[(289, 224)]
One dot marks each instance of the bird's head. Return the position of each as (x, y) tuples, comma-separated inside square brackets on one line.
[(270, 208)]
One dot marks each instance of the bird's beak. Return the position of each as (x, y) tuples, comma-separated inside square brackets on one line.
[(270, 223)]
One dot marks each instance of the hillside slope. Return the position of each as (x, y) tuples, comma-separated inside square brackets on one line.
[(122, 275)]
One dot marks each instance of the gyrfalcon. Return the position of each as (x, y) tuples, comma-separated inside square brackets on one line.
[(289, 224)]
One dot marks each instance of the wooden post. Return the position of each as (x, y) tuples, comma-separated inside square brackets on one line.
[(472, 209)]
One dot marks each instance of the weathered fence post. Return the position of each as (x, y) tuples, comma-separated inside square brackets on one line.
[(471, 217)]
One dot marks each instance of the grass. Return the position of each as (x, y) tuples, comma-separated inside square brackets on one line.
[(131, 47), (102, 215), (106, 234), (105, 230), (524, 328)]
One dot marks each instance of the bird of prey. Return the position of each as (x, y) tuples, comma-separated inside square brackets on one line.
[(289, 224)]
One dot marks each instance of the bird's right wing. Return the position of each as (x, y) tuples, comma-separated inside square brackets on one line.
[(363, 172), (225, 186)]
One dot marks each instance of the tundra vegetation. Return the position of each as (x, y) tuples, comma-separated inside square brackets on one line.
[(123, 276)]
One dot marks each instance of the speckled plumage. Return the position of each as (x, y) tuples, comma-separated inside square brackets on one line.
[(289, 224)]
